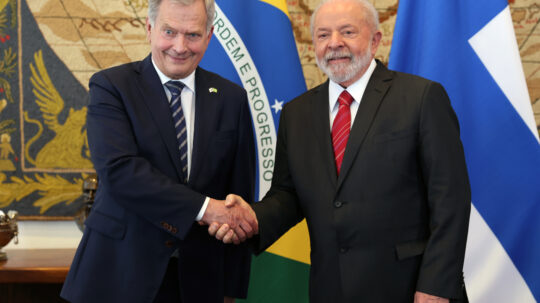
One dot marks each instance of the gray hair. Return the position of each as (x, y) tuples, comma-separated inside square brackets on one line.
[(371, 16), (153, 8)]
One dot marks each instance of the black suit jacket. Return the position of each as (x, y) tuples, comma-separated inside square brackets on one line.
[(396, 219), (142, 210)]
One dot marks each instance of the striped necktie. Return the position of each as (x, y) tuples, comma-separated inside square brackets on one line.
[(175, 87), (341, 127)]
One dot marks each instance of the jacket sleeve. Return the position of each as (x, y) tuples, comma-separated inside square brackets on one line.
[(280, 209), (444, 170)]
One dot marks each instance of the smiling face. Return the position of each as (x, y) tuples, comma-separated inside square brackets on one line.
[(344, 41), (178, 37)]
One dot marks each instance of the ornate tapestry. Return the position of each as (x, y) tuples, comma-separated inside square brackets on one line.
[(49, 50)]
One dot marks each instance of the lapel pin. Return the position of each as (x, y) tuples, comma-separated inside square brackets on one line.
[(212, 90)]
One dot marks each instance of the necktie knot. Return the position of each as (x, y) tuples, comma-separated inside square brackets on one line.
[(345, 98), (175, 87)]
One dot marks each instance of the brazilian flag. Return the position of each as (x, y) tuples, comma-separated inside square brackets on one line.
[(253, 45)]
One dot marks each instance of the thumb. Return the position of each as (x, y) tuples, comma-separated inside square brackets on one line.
[(231, 200)]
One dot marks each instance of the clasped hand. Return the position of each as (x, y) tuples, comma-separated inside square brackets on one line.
[(231, 220)]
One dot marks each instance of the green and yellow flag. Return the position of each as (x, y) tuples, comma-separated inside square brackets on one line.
[(255, 47)]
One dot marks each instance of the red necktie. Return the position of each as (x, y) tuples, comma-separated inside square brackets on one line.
[(341, 127)]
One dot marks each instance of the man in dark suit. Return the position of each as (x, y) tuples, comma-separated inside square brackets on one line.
[(164, 152), (373, 160)]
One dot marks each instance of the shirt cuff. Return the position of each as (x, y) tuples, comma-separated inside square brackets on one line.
[(203, 209)]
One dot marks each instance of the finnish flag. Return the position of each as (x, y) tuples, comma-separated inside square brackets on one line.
[(470, 47)]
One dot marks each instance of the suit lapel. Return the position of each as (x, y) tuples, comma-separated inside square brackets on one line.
[(154, 97), (375, 91), (206, 111), (320, 124)]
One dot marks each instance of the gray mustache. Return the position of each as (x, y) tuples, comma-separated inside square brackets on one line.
[(336, 55)]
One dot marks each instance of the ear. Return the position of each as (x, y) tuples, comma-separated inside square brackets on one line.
[(210, 32), (375, 40), (148, 29)]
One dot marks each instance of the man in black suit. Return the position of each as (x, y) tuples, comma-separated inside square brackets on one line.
[(164, 152), (373, 160)]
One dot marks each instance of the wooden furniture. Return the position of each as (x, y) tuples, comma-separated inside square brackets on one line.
[(34, 275)]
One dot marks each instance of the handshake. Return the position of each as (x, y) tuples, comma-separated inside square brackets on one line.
[(230, 221)]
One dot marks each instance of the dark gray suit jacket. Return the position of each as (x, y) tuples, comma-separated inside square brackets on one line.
[(396, 219)]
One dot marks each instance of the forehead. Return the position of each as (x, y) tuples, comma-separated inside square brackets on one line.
[(178, 14), (338, 14)]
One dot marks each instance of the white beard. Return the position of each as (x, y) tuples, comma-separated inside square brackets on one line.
[(343, 72)]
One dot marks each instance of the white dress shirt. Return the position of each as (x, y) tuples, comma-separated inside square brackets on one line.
[(187, 97), (356, 90)]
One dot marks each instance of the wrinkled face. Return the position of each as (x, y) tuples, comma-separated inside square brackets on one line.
[(178, 37), (344, 43)]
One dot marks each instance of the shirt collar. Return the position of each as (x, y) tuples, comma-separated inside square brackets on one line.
[(188, 81), (356, 89)]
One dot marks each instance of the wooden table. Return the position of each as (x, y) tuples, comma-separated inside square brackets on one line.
[(34, 275)]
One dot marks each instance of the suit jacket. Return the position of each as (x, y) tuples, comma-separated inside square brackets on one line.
[(143, 211), (395, 220)]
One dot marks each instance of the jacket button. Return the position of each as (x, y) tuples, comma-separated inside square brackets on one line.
[(174, 230), (343, 250), (338, 204), (169, 243)]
